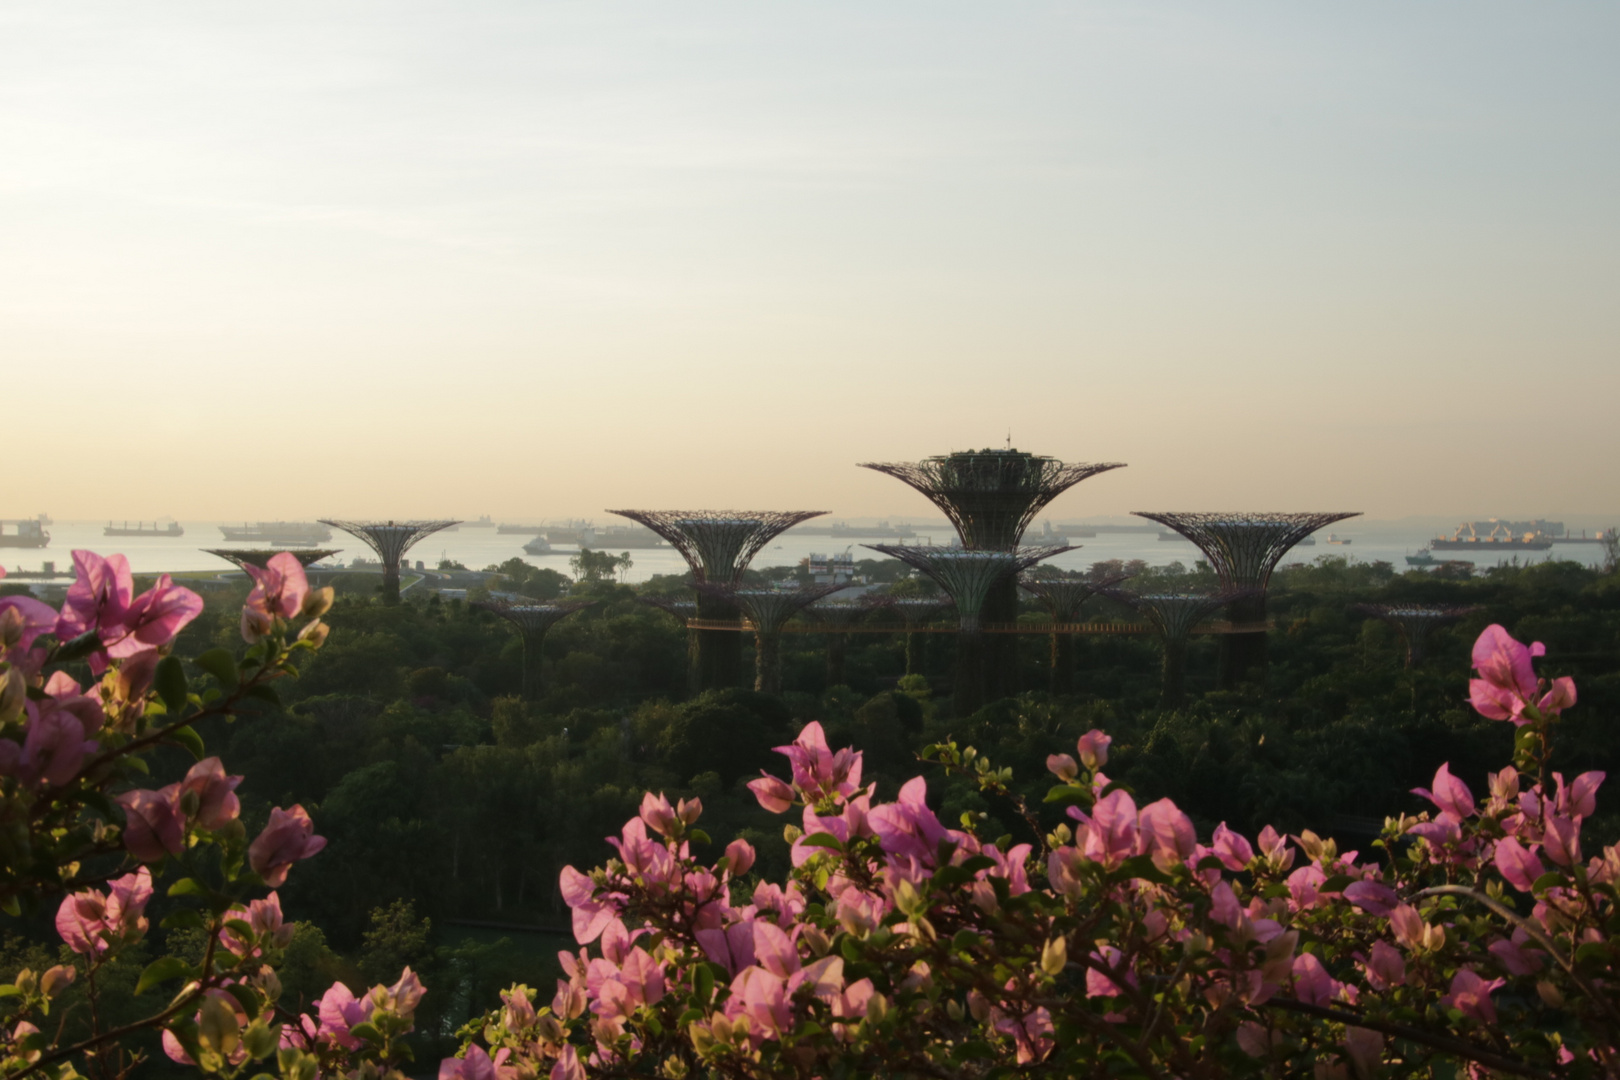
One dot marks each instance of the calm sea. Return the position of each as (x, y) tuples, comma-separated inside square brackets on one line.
[(478, 548)]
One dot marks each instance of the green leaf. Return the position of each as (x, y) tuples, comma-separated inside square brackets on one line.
[(78, 648), (261, 1039), (188, 738), (186, 887), (161, 971), (170, 683), (9, 990), (703, 984), (221, 665), (823, 839), (1547, 881), (698, 836), (250, 1000), (1068, 795), (1336, 883), (1141, 866), (366, 1031), (851, 949), (264, 692)]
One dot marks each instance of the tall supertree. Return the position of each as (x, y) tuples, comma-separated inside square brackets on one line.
[(1173, 616), (390, 540), (1063, 597), (968, 577), (260, 557), (914, 611), (1414, 621), (718, 545), (684, 611), (991, 497), (533, 619), (1244, 549), (768, 610), (836, 617)]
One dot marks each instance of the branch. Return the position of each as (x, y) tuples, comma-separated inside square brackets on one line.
[(1445, 1043)]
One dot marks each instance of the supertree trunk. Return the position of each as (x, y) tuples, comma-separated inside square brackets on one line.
[(1243, 655), (999, 652), (967, 697), (533, 674), (719, 652), (911, 653), (390, 583), (837, 647), (1173, 679), (767, 663), (1061, 675), (694, 656)]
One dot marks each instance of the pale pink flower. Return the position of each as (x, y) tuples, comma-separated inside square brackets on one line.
[(1515, 958), (1093, 749), (1561, 839), (475, 1065), (1100, 983), (1062, 766), (1517, 864), (280, 587), (1231, 848), (55, 746), (1112, 835), (217, 804), (91, 922), (1507, 680), (1472, 995), (289, 837), (773, 794), (153, 824), (739, 857), (1386, 967), (1373, 897), (1312, 983), (1450, 794)]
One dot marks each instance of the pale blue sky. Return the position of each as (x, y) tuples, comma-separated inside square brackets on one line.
[(538, 259)]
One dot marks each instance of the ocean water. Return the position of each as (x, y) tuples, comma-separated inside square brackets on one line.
[(1370, 540)]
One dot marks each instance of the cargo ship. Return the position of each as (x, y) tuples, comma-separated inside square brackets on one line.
[(278, 533), (1500, 538), (483, 522), (615, 538), (171, 529), (27, 533)]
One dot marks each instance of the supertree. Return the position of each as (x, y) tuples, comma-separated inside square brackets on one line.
[(968, 577), (1173, 616), (533, 619), (837, 616), (1063, 597), (1244, 549), (390, 540), (684, 611), (1414, 621), (914, 611), (991, 497), (260, 557), (718, 545), (768, 610)]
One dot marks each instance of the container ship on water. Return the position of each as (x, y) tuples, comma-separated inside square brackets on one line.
[(26, 533), (1500, 537), (278, 534), (140, 528)]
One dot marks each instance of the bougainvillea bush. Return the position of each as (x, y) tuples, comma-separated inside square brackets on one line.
[(1111, 940)]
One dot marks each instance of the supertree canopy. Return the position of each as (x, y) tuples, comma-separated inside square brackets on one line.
[(1243, 549), (769, 610), (718, 545), (390, 540), (1414, 621), (260, 557), (1173, 617), (533, 620), (991, 496), (1063, 597), (968, 577)]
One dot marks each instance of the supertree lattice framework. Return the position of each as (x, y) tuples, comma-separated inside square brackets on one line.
[(1174, 615), (991, 496), (769, 610), (968, 577), (1414, 621), (390, 540), (1243, 549), (260, 557), (1063, 598), (837, 616), (533, 622), (718, 545)]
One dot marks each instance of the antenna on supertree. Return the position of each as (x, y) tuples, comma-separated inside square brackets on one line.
[(260, 557), (768, 610), (968, 577), (390, 540), (837, 616), (533, 619), (991, 497), (1414, 621), (1063, 598), (718, 545), (684, 611), (1173, 617), (1243, 549)]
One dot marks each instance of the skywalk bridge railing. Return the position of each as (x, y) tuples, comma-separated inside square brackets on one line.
[(1098, 628)]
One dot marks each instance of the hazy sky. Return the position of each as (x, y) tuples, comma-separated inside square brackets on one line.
[(536, 259)]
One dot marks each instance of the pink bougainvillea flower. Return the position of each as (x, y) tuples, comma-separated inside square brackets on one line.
[(1579, 800), (1386, 967), (55, 746), (289, 837), (1312, 983), (819, 772), (22, 619), (1093, 749), (739, 857), (476, 1065), (279, 588), (773, 794), (1373, 897), (153, 618), (1517, 864), (1167, 832), (153, 824), (91, 922), (1098, 982), (568, 1065), (1112, 834), (98, 598), (1515, 958), (1507, 682), (215, 793), (265, 919), (1450, 794), (1472, 996), (1231, 848), (591, 916), (1062, 766), (1561, 839), (907, 827)]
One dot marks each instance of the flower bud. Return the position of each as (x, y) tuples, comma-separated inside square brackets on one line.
[(317, 602), (315, 633), (12, 624), (1054, 955), (57, 979), (1550, 994), (815, 937), (978, 1005), (954, 1010), (13, 694), (877, 1007), (791, 833)]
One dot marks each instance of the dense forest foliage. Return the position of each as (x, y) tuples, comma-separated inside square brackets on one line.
[(451, 804)]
